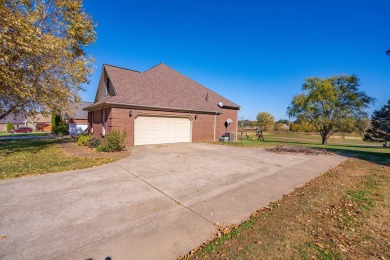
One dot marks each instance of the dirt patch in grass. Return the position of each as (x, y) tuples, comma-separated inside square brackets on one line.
[(343, 214), (296, 149), (39, 156)]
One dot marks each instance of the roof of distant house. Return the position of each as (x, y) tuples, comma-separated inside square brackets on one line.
[(161, 87), (77, 112), (39, 118), (14, 119)]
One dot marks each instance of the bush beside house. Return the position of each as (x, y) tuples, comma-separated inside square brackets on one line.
[(82, 140), (9, 126), (112, 142)]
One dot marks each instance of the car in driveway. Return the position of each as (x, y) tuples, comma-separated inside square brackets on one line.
[(21, 130)]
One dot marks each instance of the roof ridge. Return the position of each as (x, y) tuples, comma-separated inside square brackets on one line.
[(161, 63), (105, 64)]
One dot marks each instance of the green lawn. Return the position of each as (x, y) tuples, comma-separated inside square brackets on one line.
[(39, 156), (349, 147), (5, 133)]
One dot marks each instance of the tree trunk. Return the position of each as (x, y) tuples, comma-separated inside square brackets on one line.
[(324, 139), (325, 133)]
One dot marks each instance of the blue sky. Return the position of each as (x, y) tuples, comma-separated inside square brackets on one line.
[(255, 53)]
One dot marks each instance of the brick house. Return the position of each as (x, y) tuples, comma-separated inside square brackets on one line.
[(159, 105)]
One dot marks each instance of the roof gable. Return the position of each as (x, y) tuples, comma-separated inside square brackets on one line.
[(102, 91), (161, 86)]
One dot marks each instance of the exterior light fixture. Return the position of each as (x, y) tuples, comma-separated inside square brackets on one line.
[(130, 113), (196, 117)]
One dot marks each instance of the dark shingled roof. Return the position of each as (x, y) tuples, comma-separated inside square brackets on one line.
[(161, 87), (20, 118), (76, 110)]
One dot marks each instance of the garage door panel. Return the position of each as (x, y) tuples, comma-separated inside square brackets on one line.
[(159, 130)]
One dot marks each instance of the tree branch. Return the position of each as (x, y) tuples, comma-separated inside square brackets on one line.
[(9, 111)]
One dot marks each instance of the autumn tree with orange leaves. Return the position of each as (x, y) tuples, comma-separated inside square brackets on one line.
[(43, 62)]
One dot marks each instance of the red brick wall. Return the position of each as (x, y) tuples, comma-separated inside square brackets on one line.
[(202, 126), (119, 119), (97, 123), (221, 119)]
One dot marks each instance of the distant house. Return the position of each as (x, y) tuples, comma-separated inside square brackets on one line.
[(285, 127), (159, 105), (77, 118), (39, 122), (16, 120)]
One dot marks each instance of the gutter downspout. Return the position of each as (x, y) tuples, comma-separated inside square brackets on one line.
[(215, 125), (104, 122), (236, 135), (92, 122)]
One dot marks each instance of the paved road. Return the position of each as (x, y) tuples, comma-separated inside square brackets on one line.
[(159, 203)]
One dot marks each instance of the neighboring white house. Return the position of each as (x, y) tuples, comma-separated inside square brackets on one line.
[(77, 118)]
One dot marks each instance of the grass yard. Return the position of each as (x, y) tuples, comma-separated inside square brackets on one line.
[(342, 214), (349, 147), (39, 156)]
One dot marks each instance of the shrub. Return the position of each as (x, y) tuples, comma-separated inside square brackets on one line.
[(93, 142), (113, 142), (82, 140), (59, 127), (9, 126)]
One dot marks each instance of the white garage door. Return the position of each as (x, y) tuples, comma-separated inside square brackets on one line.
[(161, 130), (75, 129)]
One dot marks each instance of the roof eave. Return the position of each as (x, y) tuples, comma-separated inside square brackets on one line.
[(156, 108), (231, 107)]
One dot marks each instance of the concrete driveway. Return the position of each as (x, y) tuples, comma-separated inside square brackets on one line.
[(159, 203)]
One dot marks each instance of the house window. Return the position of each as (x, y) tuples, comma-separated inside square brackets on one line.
[(107, 87)]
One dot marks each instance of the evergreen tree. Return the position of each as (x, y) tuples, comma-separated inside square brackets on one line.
[(380, 126)]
